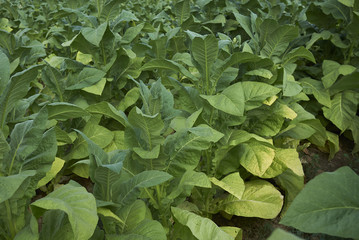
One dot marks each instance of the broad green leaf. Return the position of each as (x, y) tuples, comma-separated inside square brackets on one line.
[(182, 232), (147, 154), (240, 136), (55, 169), (219, 19), (7, 41), (298, 131), (182, 11), (235, 58), (63, 137), (320, 137), (146, 129), (266, 28), (284, 159), (290, 86), (42, 158), (292, 184), (242, 96), (147, 229), (327, 204), (311, 86), (279, 234), (184, 150), (226, 104), (266, 124), (245, 23), (201, 228), (87, 77), (81, 168), (83, 58), (256, 157), (94, 36), (347, 82), (348, 3), (327, 35), (332, 70), (10, 184), (131, 33), (4, 24), (25, 139), (97, 88), (56, 225), (336, 9), (110, 10), (168, 65), (35, 51), (117, 143), (158, 100), (77, 203), (278, 41), (181, 123), (108, 110), (15, 90), (125, 16), (260, 199), (261, 72), (29, 232), (295, 54), (343, 109), (132, 215), (4, 71), (130, 98), (285, 111), (188, 180), (98, 134), (54, 80), (157, 44), (104, 168), (108, 213), (204, 51), (256, 92), (64, 111), (234, 232), (126, 192), (206, 132), (232, 183)]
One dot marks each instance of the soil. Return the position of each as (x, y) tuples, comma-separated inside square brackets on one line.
[(314, 162)]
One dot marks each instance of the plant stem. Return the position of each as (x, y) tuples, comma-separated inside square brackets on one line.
[(206, 203), (10, 220), (160, 207), (13, 160), (208, 161), (152, 198), (350, 53), (98, 9)]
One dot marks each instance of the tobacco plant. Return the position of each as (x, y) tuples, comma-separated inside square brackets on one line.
[(127, 120)]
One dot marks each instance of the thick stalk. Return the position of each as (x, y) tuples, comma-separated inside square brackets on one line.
[(350, 54), (206, 203), (152, 198), (98, 9), (10, 220), (161, 208)]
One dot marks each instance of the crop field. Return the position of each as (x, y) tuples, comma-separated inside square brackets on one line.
[(179, 120)]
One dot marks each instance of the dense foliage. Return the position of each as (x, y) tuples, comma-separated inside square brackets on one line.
[(142, 119)]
